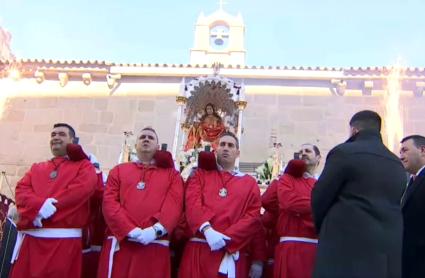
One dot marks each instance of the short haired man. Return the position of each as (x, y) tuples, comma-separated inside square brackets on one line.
[(222, 211), (356, 206), (142, 205), (311, 155), (53, 205), (295, 254), (412, 155)]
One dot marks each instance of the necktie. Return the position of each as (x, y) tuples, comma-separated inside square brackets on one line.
[(409, 188)]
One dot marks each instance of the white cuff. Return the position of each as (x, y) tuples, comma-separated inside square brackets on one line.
[(204, 225), (160, 227), (228, 264)]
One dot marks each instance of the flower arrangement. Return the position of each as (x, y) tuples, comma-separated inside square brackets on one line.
[(189, 159), (264, 171)]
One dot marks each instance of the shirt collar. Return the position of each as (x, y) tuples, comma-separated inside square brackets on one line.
[(235, 172), (420, 170), (139, 163), (65, 157), (307, 175)]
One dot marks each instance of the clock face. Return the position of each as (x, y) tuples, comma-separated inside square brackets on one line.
[(219, 37)]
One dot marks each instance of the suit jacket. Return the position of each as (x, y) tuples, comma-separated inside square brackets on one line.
[(356, 210), (413, 207)]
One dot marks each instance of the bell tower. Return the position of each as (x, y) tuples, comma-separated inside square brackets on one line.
[(219, 37)]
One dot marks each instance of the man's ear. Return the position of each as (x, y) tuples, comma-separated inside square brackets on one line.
[(422, 148), (353, 130)]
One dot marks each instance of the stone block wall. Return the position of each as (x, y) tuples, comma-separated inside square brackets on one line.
[(321, 120), (100, 122)]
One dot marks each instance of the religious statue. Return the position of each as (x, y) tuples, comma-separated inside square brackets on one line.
[(208, 129), (277, 160)]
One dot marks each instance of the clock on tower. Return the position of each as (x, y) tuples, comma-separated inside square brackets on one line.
[(219, 37)]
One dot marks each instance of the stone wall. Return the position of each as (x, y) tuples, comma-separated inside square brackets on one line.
[(321, 120), (100, 122)]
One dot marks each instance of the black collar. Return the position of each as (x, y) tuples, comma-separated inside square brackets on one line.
[(366, 134)]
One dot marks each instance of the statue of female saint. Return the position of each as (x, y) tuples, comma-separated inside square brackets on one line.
[(208, 129)]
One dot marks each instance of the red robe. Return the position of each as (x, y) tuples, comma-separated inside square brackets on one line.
[(126, 207), (94, 233), (269, 198), (269, 222), (270, 203), (256, 251), (235, 215), (73, 187), (294, 258)]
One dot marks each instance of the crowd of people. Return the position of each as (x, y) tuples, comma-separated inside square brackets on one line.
[(361, 217)]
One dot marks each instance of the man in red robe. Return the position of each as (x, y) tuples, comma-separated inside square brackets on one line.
[(257, 253), (222, 211), (52, 202), (269, 218), (295, 254), (142, 205), (94, 233), (272, 239)]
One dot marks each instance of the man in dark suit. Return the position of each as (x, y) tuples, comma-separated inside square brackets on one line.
[(356, 206), (412, 155)]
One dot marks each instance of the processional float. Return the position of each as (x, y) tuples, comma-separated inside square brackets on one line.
[(207, 106)]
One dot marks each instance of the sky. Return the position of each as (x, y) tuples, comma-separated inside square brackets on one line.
[(313, 33)]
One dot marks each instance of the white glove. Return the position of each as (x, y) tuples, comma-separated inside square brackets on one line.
[(148, 235), (216, 240), (256, 270), (48, 209), (13, 214), (136, 232), (37, 222)]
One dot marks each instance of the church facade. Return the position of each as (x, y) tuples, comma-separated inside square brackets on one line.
[(272, 104)]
